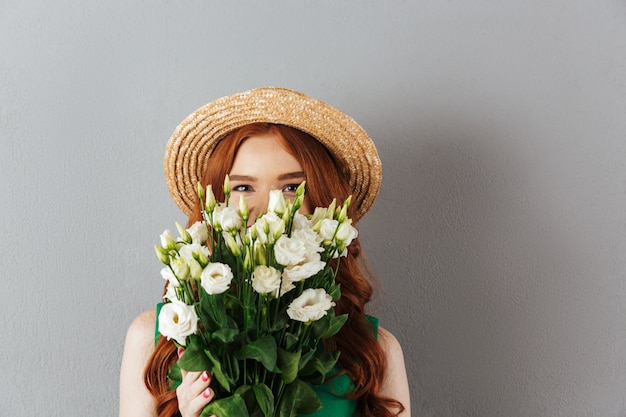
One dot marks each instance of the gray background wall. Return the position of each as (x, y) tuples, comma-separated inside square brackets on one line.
[(498, 237)]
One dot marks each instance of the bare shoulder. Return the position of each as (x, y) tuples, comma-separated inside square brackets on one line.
[(396, 384), (139, 343), (135, 400), (142, 327), (389, 342)]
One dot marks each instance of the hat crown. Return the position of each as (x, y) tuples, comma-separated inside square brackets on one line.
[(190, 146)]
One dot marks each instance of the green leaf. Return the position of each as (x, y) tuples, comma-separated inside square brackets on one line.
[(290, 340), (217, 372), (319, 327), (194, 359), (288, 364), (263, 350), (335, 325), (225, 335), (212, 310), (322, 364), (246, 393), (233, 406), (298, 398), (335, 292), (304, 359), (264, 398), (242, 390)]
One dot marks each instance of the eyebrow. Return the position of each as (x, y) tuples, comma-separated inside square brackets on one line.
[(286, 176)]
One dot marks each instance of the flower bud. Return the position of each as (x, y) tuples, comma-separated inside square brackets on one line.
[(330, 211), (277, 202), (297, 203), (162, 254), (202, 259), (195, 269), (167, 240), (318, 215), (259, 254), (232, 244), (248, 264), (243, 209), (279, 230), (180, 268), (210, 202), (301, 188), (317, 226), (343, 214), (184, 234), (286, 216), (200, 191), (227, 187), (266, 226)]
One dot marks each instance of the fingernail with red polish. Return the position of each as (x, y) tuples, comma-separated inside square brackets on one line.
[(205, 376), (206, 393)]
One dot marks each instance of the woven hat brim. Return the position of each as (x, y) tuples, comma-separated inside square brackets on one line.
[(190, 146)]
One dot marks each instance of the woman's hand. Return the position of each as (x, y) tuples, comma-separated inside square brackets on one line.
[(193, 393)]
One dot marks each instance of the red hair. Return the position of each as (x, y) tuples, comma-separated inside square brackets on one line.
[(362, 357)]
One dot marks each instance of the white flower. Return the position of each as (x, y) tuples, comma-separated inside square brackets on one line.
[(319, 214), (227, 218), (180, 268), (328, 229), (269, 227), (311, 305), (311, 265), (277, 202), (169, 276), (309, 239), (177, 321), (300, 222), (167, 240), (199, 233), (187, 251), (170, 293), (285, 286), (195, 256), (346, 233), (265, 279), (216, 278), (289, 251)]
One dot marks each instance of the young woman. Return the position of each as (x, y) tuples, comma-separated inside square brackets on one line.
[(266, 139)]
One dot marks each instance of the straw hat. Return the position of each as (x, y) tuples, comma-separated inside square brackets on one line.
[(188, 150)]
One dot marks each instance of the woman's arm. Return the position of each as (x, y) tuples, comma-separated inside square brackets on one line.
[(135, 399), (396, 384)]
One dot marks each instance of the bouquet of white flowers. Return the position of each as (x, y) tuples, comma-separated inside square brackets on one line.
[(252, 305)]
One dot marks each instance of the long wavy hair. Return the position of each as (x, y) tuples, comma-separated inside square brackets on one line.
[(361, 355)]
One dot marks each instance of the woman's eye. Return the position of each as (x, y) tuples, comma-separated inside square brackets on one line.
[(291, 188), (241, 188)]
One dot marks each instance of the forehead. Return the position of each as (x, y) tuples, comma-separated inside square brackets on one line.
[(264, 151)]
